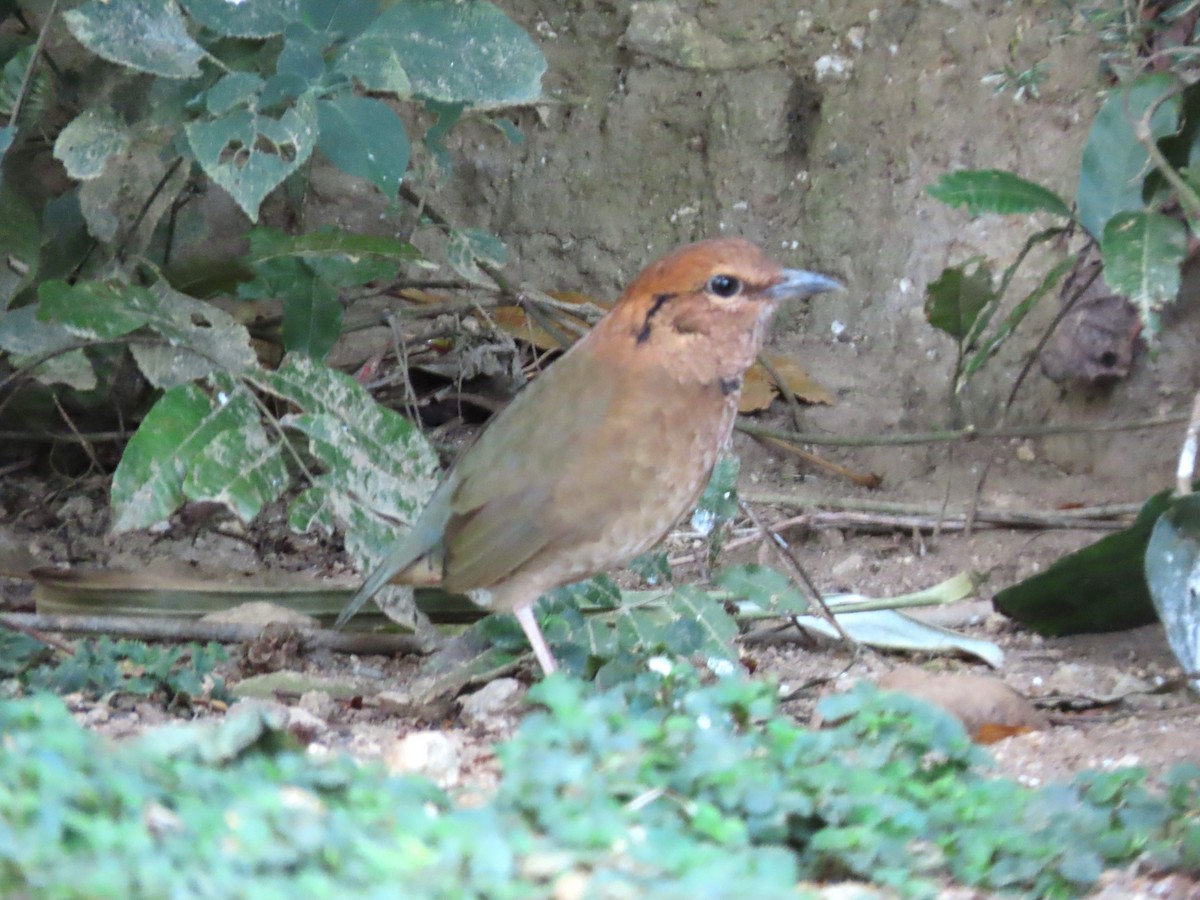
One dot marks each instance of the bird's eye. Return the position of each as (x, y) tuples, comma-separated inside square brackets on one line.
[(724, 286)]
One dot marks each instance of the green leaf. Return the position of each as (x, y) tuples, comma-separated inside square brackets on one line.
[(148, 482), (271, 243), (240, 469), (1101, 587), (377, 463), (719, 502), (467, 247), (468, 53), (1143, 253), (249, 154), (1173, 576), (955, 300), (87, 142), (1114, 163), (312, 319), (993, 191), (993, 344), (234, 89), (23, 336), (147, 35), (365, 138), (769, 590), (256, 19), (96, 310), (716, 629), (20, 242)]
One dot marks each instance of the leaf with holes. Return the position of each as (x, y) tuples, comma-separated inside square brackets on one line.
[(147, 35), (249, 154), (148, 483), (1143, 253), (993, 191)]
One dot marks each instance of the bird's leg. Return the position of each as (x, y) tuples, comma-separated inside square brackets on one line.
[(541, 650)]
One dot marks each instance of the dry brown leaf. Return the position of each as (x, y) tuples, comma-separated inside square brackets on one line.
[(758, 390), (988, 708)]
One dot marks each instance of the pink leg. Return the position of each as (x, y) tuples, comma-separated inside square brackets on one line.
[(529, 625)]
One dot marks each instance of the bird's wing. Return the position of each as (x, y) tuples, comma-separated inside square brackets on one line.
[(501, 513), (422, 538)]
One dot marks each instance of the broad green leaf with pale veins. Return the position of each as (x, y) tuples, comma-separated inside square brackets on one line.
[(993, 191), (148, 483), (1143, 252)]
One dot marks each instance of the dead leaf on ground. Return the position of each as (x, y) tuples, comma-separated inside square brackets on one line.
[(988, 708), (758, 390)]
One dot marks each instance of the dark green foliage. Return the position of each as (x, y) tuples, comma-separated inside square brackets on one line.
[(1101, 587), (661, 787), (104, 666)]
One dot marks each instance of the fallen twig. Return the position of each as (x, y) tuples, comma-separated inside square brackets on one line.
[(367, 644)]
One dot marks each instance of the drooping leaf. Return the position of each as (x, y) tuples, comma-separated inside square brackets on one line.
[(1143, 253), (364, 137), (147, 35), (993, 191), (889, 629), (24, 336), (148, 482), (954, 301), (312, 319), (1101, 587), (1173, 576), (270, 243), (86, 143), (249, 154), (495, 63), (1114, 163), (257, 19), (758, 387), (719, 502)]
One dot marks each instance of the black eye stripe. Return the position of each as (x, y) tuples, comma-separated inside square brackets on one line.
[(725, 286)]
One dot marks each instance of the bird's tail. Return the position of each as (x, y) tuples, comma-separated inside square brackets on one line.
[(402, 557)]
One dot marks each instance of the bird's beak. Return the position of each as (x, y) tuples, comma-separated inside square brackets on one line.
[(795, 284)]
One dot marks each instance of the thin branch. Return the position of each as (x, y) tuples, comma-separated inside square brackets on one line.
[(159, 629), (969, 433), (784, 553)]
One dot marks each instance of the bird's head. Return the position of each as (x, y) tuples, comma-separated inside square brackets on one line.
[(704, 308)]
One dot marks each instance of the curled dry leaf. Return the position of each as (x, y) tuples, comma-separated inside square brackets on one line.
[(758, 390)]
